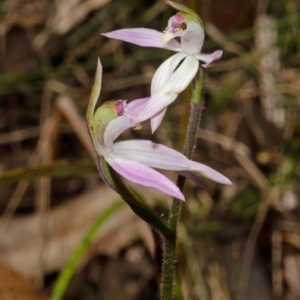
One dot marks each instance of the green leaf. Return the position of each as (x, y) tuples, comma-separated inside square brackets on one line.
[(93, 100), (67, 273)]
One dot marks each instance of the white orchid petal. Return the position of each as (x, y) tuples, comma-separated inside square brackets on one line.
[(136, 106), (208, 172), (114, 129), (162, 157), (168, 92), (210, 59), (143, 37), (182, 76), (165, 70), (156, 120), (152, 154), (193, 38), (158, 102), (142, 174)]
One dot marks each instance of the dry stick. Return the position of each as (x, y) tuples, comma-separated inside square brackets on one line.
[(42, 196), (67, 108), (46, 145), (19, 135), (13, 203), (254, 126), (240, 152), (69, 111), (34, 159), (215, 34), (277, 273), (265, 200), (22, 186), (251, 242)]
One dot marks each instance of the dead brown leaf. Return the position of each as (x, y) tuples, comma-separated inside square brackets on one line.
[(15, 286), (26, 249)]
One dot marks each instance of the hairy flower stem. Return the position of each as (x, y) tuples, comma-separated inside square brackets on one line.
[(169, 255)]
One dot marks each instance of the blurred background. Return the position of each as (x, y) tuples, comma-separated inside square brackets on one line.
[(236, 242)]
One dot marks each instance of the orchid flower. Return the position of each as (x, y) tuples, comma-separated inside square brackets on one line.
[(170, 79), (135, 159)]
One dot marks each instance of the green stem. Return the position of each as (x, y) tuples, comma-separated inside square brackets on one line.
[(169, 254)]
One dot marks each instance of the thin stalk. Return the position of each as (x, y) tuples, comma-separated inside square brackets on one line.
[(169, 254)]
